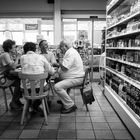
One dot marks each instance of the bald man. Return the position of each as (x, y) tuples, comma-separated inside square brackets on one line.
[(71, 73)]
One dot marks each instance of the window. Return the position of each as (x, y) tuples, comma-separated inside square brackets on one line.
[(98, 27), (49, 36), (18, 37), (47, 30), (69, 29), (18, 26), (14, 28), (31, 36)]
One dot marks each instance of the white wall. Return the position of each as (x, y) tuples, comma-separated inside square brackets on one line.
[(43, 6), (83, 4)]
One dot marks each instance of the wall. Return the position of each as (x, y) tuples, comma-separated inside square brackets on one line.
[(25, 8), (41, 7), (83, 4)]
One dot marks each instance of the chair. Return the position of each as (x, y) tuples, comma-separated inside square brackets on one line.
[(82, 86), (4, 86), (33, 95)]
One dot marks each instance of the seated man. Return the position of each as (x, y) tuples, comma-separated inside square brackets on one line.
[(33, 63), (72, 73), (6, 65), (43, 45)]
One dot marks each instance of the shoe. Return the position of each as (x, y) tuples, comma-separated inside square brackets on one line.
[(59, 102), (38, 110), (19, 103), (15, 107), (49, 103), (41, 113), (69, 110)]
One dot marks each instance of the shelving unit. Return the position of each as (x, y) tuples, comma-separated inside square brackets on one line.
[(125, 62), (122, 87)]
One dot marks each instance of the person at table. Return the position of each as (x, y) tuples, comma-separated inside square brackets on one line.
[(33, 63), (7, 64), (71, 74), (44, 48)]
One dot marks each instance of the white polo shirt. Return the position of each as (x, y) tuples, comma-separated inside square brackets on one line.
[(73, 62)]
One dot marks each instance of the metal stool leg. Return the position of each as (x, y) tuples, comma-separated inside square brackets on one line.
[(5, 99)]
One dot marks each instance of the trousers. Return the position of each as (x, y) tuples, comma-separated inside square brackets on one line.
[(61, 87)]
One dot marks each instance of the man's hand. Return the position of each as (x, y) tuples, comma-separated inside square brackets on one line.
[(56, 65), (62, 67)]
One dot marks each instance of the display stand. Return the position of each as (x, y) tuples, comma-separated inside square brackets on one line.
[(92, 44), (122, 87)]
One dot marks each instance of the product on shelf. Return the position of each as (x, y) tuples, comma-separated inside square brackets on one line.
[(123, 60)]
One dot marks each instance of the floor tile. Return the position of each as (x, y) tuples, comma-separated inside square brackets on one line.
[(82, 119), (29, 134), (15, 126), (85, 134), (10, 134), (113, 119), (67, 139), (97, 114), (53, 119), (121, 134), (48, 134), (66, 126), (83, 126), (104, 134), (82, 113), (66, 134), (67, 119), (117, 126), (98, 119), (50, 126), (100, 125)]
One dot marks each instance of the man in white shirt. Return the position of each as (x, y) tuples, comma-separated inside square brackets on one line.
[(71, 72)]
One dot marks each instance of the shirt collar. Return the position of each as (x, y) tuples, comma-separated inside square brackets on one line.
[(30, 52)]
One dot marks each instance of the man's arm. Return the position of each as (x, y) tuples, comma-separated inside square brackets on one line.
[(62, 67), (48, 67)]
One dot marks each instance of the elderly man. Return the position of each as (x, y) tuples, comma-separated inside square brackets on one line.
[(71, 72), (43, 45)]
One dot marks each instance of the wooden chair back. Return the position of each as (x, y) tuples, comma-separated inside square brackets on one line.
[(86, 79), (32, 79)]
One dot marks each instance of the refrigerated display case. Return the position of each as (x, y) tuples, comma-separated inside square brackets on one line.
[(122, 86)]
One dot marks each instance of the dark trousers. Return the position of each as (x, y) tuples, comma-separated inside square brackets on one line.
[(17, 92)]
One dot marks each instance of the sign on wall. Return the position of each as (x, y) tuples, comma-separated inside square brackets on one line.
[(31, 26)]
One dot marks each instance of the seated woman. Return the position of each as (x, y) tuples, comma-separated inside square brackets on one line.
[(6, 65), (33, 63)]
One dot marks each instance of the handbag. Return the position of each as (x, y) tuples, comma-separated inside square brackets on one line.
[(88, 94), (3, 79)]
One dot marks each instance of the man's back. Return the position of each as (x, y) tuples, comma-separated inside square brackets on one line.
[(73, 62)]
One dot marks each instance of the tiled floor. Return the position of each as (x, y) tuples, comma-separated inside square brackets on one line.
[(101, 122)]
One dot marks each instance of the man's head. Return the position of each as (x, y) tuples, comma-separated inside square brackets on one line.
[(9, 45), (82, 37), (29, 46), (43, 45), (64, 46)]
